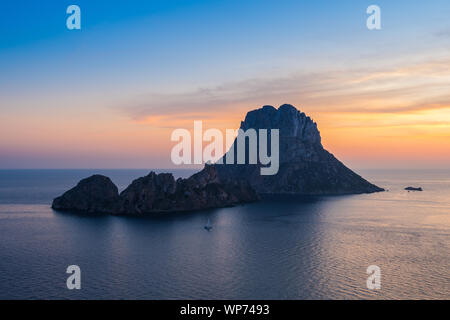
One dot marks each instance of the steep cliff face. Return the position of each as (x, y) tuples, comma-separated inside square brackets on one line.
[(305, 167)]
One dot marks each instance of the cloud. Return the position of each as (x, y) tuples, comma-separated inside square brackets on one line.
[(411, 87), (204, 100), (444, 33)]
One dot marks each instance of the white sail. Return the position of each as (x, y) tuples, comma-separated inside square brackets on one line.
[(208, 225)]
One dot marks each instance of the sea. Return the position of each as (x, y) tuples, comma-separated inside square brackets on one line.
[(280, 248)]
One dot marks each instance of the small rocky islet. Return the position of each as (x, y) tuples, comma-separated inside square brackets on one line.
[(305, 168), (413, 189)]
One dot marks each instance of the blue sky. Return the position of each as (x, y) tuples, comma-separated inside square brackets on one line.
[(138, 59), (193, 42)]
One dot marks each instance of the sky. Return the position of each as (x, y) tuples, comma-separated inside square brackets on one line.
[(110, 94)]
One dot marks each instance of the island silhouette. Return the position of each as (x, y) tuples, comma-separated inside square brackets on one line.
[(305, 168)]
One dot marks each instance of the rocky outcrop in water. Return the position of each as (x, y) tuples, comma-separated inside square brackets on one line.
[(96, 194), (414, 189), (156, 193), (305, 167)]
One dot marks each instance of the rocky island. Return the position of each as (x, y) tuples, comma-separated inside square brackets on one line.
[(156, 193), (414, 189), (305, 168)]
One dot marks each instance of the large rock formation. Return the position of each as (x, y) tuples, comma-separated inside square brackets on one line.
[(305, 166), (96, 194), (156, 193)]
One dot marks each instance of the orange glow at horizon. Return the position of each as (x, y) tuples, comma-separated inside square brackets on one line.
[(398, 117), (417, 136)]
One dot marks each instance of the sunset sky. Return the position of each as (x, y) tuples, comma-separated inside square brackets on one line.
[(110, 94)]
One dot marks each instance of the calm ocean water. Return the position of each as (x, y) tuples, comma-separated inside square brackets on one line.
[(302, 248)]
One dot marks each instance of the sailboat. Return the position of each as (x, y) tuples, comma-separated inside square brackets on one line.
[(208, 226)]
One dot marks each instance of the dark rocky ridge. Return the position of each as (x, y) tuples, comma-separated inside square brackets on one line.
[(156, 193), (203, 190), (305, 166)]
